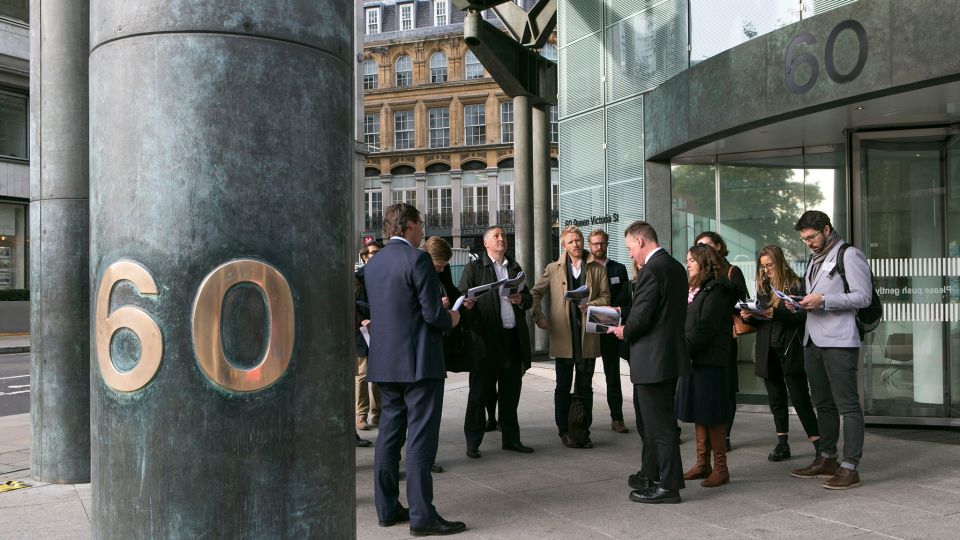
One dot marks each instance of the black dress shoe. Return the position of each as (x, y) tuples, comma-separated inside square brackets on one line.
[(473, 452), (361, 443), (436, 468), (402, 516), (492, 425), (656, 495), (639, 481), (518, 447), (439, 527), (780, 452)]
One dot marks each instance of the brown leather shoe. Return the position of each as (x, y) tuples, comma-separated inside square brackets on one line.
[(619, 427), (844, 479), (820, 468), (362, 425)]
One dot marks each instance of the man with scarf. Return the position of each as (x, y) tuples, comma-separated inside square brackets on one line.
[(570, 345), (832, 348)]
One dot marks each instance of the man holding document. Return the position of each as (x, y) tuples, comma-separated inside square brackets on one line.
[(573, 284), (499, 314)]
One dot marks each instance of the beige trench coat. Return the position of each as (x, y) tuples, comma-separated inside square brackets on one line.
[(554, 282)]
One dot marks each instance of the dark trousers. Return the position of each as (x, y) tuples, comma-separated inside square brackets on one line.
[(412, 408), (658, 430), (492, 397), (832, 373), (582, 387), (610, 352), (778, 386), (481, 381)]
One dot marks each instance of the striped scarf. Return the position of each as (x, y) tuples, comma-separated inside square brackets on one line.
[(691, 294), (816, 260)]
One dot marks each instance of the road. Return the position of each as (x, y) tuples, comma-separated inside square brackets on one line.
[(14, 383)]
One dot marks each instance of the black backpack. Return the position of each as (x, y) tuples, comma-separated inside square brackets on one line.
[(868, 318)]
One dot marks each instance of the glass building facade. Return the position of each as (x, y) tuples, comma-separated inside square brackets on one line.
[(738, 116)]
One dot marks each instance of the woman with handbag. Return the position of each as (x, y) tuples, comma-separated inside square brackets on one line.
[(738, 291), (779, 348), (702, 396)]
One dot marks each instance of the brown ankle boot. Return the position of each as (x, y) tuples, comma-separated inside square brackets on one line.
[(702, 468), (720, 474)]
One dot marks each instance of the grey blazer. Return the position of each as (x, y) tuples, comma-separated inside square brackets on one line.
[(835, 325)]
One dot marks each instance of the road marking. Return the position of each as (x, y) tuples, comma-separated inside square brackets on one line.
[(13, 377), (19, 386), (12, 393)]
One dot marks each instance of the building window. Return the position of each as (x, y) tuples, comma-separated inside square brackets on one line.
[(439, 208), (555, 190), (406, 16), (506, 121), (474, 125), (14, 111), (475, 209), (370, 77), (373, 20), (554, 125), (549, 51), (408, 196), (505, 209), (404, 71), (371, 131), (403, 129), (438, 67), (474, 67), (373, 209), (439, 127), (440, 10)]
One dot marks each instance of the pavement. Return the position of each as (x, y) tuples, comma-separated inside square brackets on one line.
[(911, 483), (14, 343)]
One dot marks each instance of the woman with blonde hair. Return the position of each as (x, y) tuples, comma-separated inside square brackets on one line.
[(702, 396), (779, 349)]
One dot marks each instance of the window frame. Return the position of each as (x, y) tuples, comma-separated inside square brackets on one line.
[(376, 22), (442, 131), (407, 79), (506, 121), (468, 65), (480, 128), (441, 19), (408, 131), (438, 73), (371, 120), (411, 19), (371, 81)]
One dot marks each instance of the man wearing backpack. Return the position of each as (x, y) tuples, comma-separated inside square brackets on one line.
[(832, 347)]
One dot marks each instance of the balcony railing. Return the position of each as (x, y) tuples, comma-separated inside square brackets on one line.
[(439, 220), (471, 218), (505, 217)]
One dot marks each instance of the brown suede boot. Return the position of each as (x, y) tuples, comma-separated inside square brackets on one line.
[(702, 468), (720, 474)]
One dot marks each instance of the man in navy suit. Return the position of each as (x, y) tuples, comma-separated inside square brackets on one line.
[(406, 360)]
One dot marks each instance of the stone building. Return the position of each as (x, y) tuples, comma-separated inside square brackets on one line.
[(438, 128)]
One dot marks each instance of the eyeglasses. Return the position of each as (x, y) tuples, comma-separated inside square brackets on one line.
[(598, 243), (812, 237), (770, 266)]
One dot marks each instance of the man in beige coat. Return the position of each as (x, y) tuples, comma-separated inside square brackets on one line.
[(573, 348)]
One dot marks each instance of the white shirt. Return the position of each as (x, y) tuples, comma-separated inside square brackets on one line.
[(647, 258), (403, 239), (506, 308), (576, 269)]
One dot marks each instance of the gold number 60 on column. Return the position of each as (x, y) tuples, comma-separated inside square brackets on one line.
[(207, 339)]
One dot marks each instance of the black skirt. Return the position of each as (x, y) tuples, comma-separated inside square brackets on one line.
[(703, 397)]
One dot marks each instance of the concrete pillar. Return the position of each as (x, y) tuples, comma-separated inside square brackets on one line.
[(542, 222), (523, 184), (59, 229), (220, 266)]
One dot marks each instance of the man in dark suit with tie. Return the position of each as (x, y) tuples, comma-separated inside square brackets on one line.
[(619, 284), (406, 360), (654, 329)]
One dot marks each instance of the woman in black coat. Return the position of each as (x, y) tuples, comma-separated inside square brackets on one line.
[(702, 396), (738, 291), (779, 350)]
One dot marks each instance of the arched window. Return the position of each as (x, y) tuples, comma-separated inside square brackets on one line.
[(549, 51), (474, 68), (370, 78), (438, 67), (404, 71)]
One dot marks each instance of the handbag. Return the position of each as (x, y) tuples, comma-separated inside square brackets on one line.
[(740, 326)]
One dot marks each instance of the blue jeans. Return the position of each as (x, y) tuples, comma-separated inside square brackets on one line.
[(832, 373)]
